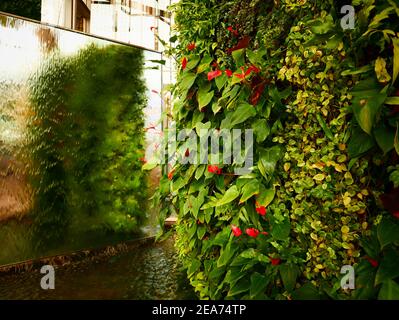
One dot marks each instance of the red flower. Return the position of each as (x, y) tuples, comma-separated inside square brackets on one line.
[(252, 232), (143, 160), (265, 233), (275, 261), (229, 73), (191, 46), (214, 169), (215, 64), (236, 231), (390, 202), (396, 214), (243, 43), (373, 262), (170, 174), (254, 69), (184, 63), (187, 153), (261, 210), (214, 74), (233, 31)]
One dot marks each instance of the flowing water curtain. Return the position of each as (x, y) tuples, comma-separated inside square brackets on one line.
[(86, 139)]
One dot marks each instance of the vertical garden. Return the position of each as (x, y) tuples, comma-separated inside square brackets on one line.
[(323, 192)]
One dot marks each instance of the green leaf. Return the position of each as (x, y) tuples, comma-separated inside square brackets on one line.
[(259, 283), (242, 286), (261, 129), (389, 291), (268, 160), (226, 255), (323, 26), (289, 274), (389, 266), (149, 166), (387, 232), (238, 56), (307, 292), (326, 129), (395, 42), (229, 196), (192, 62), (221, 81), (363, 69), (250, 189), (396, 140), (392, 101), (204, 98), (194, 266), (266, 196), (204, 64), (187, 81), (243, 112), (359, 143), (385, 138), (280, 230)]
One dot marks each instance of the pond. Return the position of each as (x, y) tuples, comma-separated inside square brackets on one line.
[(148, 272)]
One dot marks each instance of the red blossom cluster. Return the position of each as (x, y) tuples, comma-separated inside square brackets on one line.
[(214, 169)]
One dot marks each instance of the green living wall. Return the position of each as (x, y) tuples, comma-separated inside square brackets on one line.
[(85, 138), (24, 8), (323, 192)]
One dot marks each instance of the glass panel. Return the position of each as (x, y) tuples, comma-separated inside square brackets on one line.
[(48, 67)]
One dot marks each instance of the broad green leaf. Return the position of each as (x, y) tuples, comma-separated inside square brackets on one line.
[(387, 232), (392, 101), (396, 140), (280, 230), (243, 112), (204, 98), (200, 171), (226, 255), (307, 292), (221, 81), (194, 266), (395, 42), (389, 291), (241, 286), (323, 26), (385, 138), (289, 274), (204, 64), (388, 268), (268, 160), (261, 129), (259, 283), (359, 143), (367, 101), (250, 189), (192, 62), (149, 166), (187, 81), (266, 196), (363, 69), (229, 196), (238, 56)]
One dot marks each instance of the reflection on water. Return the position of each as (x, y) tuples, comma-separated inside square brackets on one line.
[(25, 48), (152, 272)]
